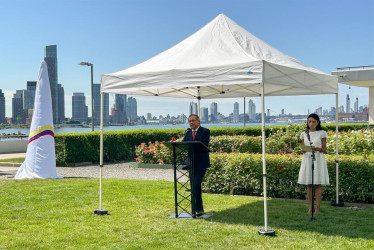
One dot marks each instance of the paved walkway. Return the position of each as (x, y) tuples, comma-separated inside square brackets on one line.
[(116, 171), (119, 171), (13, 155)]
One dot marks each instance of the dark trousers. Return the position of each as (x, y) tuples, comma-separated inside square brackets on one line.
[(199, 176)]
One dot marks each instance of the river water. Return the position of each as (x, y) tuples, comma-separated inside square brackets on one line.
[(63, 130)]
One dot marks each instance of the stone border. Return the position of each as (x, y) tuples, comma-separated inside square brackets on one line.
[(149, 165)]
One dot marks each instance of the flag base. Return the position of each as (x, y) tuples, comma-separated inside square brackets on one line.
[(101, 211), (335, 204), (269, 232)]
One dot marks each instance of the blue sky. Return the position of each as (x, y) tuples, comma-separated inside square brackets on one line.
[(116, 34)]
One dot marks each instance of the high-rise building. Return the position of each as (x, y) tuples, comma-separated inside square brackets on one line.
[(356, 105), (213, 111), (149, 116), (348, 104), (193, 108), (61, 103), (132, 109), (318, 111), (50, 57), (341, 109), (29, 95), (18, 112), (2, 107), (119, 115), (97, 105), (236, 112), (251, 111), (80, 110), (204, 115)]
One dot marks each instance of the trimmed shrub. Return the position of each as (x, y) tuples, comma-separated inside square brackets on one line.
[(120, 145), (241, 174)]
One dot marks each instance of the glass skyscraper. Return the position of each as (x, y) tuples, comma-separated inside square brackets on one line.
[(2, 107), (97, 105), (50, 57), (80, 110)]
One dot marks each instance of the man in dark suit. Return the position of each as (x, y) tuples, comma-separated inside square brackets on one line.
[(201, 161)]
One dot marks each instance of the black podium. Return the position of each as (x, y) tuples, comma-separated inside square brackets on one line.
[(184, 188)]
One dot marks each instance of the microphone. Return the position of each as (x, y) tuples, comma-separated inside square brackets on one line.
[(307, 134)]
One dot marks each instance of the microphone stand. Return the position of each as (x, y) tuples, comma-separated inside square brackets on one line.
[(313, 159)]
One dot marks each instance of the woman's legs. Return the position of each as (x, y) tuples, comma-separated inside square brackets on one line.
[(310, 198), (318, 195)]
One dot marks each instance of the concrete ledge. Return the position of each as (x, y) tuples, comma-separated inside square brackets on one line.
[(10, 164), (13, 146), (149, 165)]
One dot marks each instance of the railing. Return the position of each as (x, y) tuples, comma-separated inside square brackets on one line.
[(356, 67)]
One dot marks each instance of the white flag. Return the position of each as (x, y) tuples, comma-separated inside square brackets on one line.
[(40, 161)]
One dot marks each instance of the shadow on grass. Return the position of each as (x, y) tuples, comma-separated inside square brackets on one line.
[(292, 215)]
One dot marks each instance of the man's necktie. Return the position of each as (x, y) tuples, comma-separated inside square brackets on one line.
[(193, 134)]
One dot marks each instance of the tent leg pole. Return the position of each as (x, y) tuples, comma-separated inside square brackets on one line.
[(337, 203), (101, 211), (198, 101), (264, 231), (244, 114)]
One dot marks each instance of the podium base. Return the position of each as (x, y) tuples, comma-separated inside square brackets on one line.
[(339, 204), (101, 211), (269, 232), (188, 216)]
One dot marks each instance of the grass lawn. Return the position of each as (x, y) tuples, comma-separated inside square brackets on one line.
[(14, 160), (44, 214)]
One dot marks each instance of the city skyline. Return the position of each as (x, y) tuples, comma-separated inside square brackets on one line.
[(311, 33)]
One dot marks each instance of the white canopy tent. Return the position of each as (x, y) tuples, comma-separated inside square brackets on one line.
[(221, 60)]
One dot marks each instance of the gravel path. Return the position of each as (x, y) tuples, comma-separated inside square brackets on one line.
[(117, 171)]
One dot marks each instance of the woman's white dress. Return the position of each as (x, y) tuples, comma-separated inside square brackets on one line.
[(321, 175)]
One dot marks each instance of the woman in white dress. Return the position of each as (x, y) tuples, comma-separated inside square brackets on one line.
[(321, 176)]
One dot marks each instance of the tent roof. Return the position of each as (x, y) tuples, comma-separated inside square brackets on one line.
[(220, 60)]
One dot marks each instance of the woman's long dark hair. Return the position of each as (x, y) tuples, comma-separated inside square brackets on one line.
[(315, 117)]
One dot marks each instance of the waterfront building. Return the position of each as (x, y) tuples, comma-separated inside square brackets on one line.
[(348, 104), (341, 109), (119, 115), (252, 111), (18, 112), (132, 109), (356, 105), (213, 112), (193, 108), (50, 57), (60, 103), (2, 107), (97, 105), (236, 112), (80, 110), (318, 111), (204, 115), (29, 95)]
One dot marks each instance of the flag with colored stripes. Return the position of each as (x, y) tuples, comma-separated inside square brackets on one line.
[(40, 161)]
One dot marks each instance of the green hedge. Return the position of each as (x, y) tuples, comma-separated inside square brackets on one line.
[(241, 174), (120, 145)]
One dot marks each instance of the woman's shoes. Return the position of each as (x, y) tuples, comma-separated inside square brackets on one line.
[(316, 211)]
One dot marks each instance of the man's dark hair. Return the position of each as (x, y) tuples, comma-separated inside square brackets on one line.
[(197, 117)]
